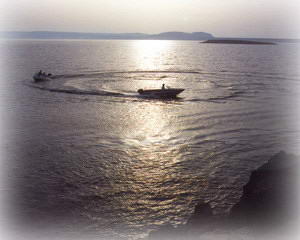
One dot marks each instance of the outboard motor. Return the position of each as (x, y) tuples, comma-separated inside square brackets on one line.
[(140, 91)]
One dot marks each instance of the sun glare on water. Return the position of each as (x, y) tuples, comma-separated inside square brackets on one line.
[(150, 54)]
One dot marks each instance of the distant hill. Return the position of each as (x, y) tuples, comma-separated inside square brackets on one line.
[(182, 36), (77, 35), (201, 36)]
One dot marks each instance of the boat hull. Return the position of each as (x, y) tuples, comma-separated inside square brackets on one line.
[(161, 93), (41, 78)]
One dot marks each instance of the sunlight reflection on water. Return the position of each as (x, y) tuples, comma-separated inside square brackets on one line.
[(119, 160), (151, 54)]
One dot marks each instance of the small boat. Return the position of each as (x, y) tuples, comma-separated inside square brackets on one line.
[(41, 76), (161, 93)]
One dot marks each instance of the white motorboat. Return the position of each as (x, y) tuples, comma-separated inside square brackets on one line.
[(161, 93)]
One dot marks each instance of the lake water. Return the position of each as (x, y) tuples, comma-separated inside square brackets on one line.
[(88, 156)]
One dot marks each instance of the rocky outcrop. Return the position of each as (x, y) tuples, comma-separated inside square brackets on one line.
[(202, 214), (269, 200), (271, 194), (200, 222)]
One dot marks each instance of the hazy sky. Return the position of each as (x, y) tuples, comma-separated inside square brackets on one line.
[(222, 18)]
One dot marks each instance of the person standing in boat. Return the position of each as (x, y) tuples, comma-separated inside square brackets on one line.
[(163, 87)]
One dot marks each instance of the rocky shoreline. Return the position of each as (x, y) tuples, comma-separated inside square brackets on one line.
[(268, 204)]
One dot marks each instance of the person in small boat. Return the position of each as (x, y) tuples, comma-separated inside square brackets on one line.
[(163, 87), (40, 72)]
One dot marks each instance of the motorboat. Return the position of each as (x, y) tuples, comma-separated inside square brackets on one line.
[(161, 93), (41, 76)]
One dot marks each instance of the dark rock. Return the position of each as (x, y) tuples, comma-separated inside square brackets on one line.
[(270, 195), (201, 221), (202, 214), (269, 200)]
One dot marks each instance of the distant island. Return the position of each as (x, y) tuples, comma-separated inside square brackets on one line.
[(120, 36), (174, 35), (237, 41)]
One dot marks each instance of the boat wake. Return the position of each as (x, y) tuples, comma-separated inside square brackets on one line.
[(199, 86), (221, 99), (75, 91)]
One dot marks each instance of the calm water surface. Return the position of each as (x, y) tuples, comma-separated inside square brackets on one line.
[(89, 155)]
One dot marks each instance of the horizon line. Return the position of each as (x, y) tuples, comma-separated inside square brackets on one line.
[(141, 33)]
